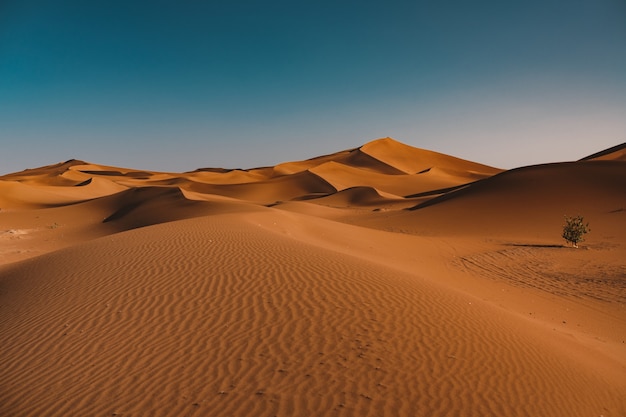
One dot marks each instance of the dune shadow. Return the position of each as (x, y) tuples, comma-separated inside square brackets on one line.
[(82, 184), (436, 192)]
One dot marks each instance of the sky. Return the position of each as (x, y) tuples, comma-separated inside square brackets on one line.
[(179, 85)]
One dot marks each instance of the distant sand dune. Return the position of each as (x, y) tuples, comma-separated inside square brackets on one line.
[(22, 195), (383, 280), (354, 158), (269, 191), (46, 171), (342, 177), (412, 160), (359, 196), (229, 177)]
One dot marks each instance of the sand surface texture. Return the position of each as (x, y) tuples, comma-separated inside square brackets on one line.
[(379, 281)]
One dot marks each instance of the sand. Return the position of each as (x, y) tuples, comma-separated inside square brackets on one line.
[(379, 281)]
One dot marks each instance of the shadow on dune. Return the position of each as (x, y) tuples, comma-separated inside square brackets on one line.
[(435, 193), (146, 206)]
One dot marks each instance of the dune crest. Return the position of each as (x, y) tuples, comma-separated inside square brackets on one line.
[(413, 160), (615, 153), (384, 164)]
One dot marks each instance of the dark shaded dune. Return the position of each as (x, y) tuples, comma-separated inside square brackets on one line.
[(530, 201), (212, 170), (169, 182), (142, 175), (106, 173), (614, 153), (260, 171), (139, 207), (286, 187), (437, 192), (558, 182), (356, 196), (82, 184)]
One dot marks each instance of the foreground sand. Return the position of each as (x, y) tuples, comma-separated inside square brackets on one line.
[(371, 282)]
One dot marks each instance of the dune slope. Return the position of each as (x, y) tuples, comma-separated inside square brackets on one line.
[(529, 201), (218, 315)]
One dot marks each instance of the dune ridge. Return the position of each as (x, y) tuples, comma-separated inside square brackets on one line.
[(380, 280), (383, 164), (614, 153)]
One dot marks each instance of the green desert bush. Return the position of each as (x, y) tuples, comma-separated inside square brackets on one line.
[(574, 230)]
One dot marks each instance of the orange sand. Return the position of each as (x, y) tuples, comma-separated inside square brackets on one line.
[(379, 281)]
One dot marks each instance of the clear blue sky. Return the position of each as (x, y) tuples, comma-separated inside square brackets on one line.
[(178, 85)]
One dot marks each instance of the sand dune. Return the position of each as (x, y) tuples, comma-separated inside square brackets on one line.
[(343, 177), (301, 184), (413, 160), (360, 196), (168, 319), (381, 280), (228, 177), (17, 194), (615, 153), (354, 158), (528, 202), (49, 171), (380, 164)]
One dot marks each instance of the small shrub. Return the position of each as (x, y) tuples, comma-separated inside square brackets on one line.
[(574, 230)]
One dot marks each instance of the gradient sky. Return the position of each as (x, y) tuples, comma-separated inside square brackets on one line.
[(178, 85)]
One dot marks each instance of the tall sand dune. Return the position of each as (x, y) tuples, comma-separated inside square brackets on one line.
[(354, 158), (413, 160)]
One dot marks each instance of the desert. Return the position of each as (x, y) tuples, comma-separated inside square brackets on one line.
[(383, 280)]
